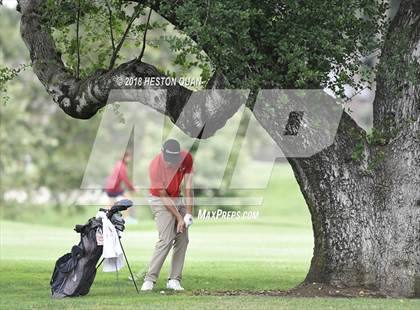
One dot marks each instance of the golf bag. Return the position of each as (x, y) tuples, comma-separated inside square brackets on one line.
[(74, 272)]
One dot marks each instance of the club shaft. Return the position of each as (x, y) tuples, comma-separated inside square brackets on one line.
[(129, 268)]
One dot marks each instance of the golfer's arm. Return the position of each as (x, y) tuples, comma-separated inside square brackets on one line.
[(189, 193), (169, 204)]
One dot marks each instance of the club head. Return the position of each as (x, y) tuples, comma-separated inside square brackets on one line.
[(120, 205), (123, 204)]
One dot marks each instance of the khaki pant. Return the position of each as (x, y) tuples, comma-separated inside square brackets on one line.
[(168, 238)]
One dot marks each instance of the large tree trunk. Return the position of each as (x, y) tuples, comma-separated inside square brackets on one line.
[(366, 222), (366, 211)]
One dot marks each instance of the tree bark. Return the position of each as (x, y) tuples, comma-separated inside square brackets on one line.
[(397, 177), (366, 213)]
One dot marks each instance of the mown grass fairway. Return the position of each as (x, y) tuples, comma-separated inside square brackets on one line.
[(270, 253), (28, 254)]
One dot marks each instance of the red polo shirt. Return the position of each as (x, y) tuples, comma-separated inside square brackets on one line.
[(118, 176), (163, 176)]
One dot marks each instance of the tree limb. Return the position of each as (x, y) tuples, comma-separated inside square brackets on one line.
[(144, 35), (77, 39), (83, 98), (110, 26), (127, 29), (399, 73)]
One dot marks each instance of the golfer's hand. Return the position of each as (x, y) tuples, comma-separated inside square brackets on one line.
[(188, 219), (180, 227)]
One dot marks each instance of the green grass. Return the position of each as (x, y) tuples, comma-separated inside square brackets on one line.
[(272, 252), (222, 256), (24, 284)]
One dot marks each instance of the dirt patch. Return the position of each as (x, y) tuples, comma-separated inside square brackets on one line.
[(307, 290)]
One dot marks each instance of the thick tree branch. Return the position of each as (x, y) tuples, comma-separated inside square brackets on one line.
[(83, 98), (399, 73)]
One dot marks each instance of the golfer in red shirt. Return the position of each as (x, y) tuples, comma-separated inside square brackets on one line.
[(168, 170), (114, 181)]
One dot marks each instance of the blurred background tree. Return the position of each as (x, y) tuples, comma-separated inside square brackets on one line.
[(43, 151), (41, 147)]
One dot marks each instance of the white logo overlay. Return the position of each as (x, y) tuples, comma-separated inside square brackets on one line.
[(234, 164)]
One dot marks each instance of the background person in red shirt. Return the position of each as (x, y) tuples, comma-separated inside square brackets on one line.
[(167, 172), (114, 181)]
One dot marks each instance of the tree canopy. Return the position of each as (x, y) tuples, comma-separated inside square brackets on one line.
[(256, 44)]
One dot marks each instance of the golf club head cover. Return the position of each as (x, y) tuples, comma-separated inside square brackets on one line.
[(118, 221), (188, 219)]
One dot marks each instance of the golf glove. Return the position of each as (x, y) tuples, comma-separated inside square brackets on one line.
[(188, 219)]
